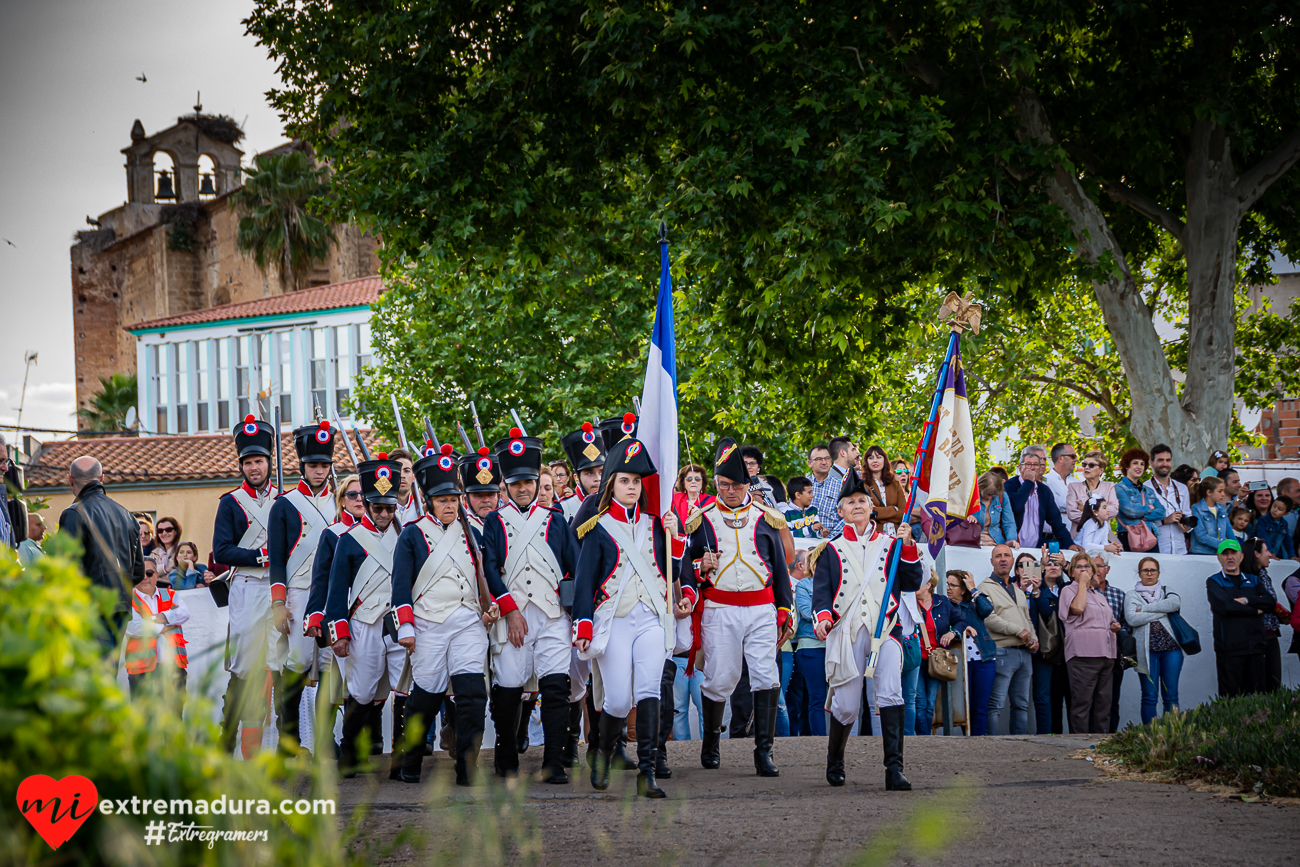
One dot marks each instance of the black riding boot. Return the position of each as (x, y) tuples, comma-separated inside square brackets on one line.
[(447, 732), (419, 710), (593, 720), (505, 717), (471, 707), (620, 758), (606, 738), (231, 712), (570, 755), (355, 716), (711, 732), (375, 725), (289, 711), (525, 715), (399, 739), (554, 691), (765, 731), (647, 745), (662, 771), (891, 726), (838, 739)]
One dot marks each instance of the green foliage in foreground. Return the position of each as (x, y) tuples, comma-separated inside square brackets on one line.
[(1242, 742), (62, 713)]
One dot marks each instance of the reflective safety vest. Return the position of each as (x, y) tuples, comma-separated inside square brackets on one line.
[(142, 651)]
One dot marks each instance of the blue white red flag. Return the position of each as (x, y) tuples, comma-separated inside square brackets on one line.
[(949, 477), (657, 427)]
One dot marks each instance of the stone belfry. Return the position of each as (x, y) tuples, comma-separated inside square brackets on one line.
[(191, 137)]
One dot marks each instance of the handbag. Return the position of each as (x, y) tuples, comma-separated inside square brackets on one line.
[(911, 652), (1051, 646), (1185, 634), (1140, 537), (941, 664), (965, 533), (1126, 648)]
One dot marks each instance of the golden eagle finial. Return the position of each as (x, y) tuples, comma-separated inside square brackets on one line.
[(960, 314)]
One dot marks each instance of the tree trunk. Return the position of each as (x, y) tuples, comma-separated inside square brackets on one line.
[(1198, 422)]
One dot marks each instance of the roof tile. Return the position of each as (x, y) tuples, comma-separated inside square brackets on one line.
[(352, 293)]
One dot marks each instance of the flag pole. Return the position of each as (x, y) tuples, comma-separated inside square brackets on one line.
[(927, 444)]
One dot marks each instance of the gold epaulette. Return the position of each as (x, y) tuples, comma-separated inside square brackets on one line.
[(588, 526), (774, 519), (693, 519), (814, 554)]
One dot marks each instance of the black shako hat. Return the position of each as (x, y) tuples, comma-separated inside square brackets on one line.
[(480, 473), (520, 457), (585, 448), (437, 473), (618, 428), (314, 443), (254, 437), (853, 484), (379, 480), (729, 464), (628, 456)]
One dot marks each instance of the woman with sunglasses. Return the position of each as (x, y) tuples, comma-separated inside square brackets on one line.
[(1091, 504), (168, 531)]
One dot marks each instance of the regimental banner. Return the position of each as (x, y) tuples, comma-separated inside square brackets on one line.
[(952, 494)]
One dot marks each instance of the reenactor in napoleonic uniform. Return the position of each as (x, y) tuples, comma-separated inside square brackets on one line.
[(735, 561), (299, 519), (441, 616), (849, 580), (360, 594), (239, 539), (531, 549)]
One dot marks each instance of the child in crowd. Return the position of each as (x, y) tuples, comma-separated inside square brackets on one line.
[(800, 513), (154, 636), (1274, 530), (1239, 517)]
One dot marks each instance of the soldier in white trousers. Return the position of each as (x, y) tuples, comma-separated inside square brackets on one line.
[(849, 581)]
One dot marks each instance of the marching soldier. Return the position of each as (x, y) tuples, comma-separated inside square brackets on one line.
[(239, 539), (849, 577), (530, 549), (441, 624), (586, 451), (407, 508), (299, 518), (737, 565), (623, 611), (480, 474), (612, 431), (360, 591)]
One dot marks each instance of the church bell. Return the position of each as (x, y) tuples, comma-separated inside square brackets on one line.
[(165, 190), (206, 188)]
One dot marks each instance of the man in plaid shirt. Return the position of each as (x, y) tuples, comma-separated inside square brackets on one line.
[(1115, 596), (827, 479)]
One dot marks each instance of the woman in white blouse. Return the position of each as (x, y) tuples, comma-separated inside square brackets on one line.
[(1091, 504)]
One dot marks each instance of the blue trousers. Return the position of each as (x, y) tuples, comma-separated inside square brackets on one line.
[(1012, 681), (911, 681), (796, 701), (926, 696), (1042, 696), (1165, 667), (812, 665), (981, 687), (785, 660), (686, 691)]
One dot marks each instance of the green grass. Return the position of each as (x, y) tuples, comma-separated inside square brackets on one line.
[(1251, 742)]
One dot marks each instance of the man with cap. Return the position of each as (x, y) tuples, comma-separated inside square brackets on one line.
[(360, 592), (585, 449), (529, 549), (624, 608), (480, 476), (440, 616), (735, 561), (298, 519), (239, 539), (849, 579)]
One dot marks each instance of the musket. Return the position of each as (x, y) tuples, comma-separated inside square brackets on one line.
[(514, 415), (347, 442), (636, 404), (401, 435), (365, 451), (464, 437), (428, 431), (279, 454), (478, 429)]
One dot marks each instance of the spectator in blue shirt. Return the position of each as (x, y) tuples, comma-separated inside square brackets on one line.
[(1211, 513), (1136, 502), (981, 652), (810, 656), (800, 514), (1273, 530), (826, 482)]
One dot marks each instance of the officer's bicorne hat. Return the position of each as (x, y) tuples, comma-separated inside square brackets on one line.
[(314, 443), (618, 428), (437, 473), (520, 457), (254, 437), (853, 484), (379, 480), (729, 464), (480, 473), (585, 448), (628, 456)]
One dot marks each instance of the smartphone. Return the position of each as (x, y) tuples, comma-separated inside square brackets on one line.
[(1053, 547), (1032, 570), (1260, 485)]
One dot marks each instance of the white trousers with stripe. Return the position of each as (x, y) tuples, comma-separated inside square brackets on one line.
[(633, 662), (457, 645), (371, 656), (732, 636)]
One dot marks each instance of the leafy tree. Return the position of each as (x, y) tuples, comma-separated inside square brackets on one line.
[(107, 411), (277, 225), (823, 159)]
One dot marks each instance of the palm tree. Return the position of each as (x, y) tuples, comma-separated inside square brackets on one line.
[(108, 406), (275, 224)]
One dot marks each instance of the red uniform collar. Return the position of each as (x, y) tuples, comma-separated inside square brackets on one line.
[(305, 490), (248, 489), (622, 513), (851, 534), (370, 525), (346, 517)]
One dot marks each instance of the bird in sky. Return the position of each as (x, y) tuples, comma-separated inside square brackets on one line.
[(141, 78), (11, 243)]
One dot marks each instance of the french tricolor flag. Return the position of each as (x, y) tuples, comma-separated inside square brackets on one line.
[(657, 427)]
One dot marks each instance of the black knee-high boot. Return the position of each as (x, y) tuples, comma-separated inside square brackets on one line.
[(471, 709), (647, 745), (838, 738), (447, 733), (575, 735), (399, 736), (711, 732), (375, 722), (525, 717), (505, 717), (765, 707), (554, 692), (231, 712), (662, 771), (419, 709), (355, 716), (289, 710), (891, 729), (606, 737), (593, 735)]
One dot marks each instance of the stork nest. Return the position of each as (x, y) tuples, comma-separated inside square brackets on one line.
[(218, 127)]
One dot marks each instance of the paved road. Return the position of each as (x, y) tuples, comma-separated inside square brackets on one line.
[(1000, 801)]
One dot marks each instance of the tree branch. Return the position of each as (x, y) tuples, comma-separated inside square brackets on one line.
[(1255, 182), (922, 69), (1068, 384), (1147, 207)]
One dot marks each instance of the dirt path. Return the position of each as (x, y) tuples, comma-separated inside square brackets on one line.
[(996, 801)]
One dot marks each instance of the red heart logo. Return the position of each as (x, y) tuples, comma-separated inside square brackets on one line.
[(57, 808)]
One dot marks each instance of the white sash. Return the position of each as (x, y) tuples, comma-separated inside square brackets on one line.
[(259, 516), (443, 549), (534, 526), (647, 573), (602, 626), (312, 528), (377, 570), (841, 667)]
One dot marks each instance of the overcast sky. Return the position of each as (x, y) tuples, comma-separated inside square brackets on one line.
[(68, 100)]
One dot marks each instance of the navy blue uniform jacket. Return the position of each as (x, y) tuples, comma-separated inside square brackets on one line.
[(596, 566), (231, 524), (282, 537), (348, 558), (409, 558), (320, 575), (829, 573), (559, 536)]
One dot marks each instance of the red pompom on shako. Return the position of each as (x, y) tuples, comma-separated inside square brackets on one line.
[(446, 448), (250, 424), (382, 456), (516, 433), (629, 422), (483, 450), (324, 424), (428, 450)]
